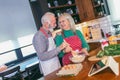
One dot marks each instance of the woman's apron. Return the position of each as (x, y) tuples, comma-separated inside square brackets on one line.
[(50, 65), (75, 44)]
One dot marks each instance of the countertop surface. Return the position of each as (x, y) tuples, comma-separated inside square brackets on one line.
[(92, 41), (106, 74)]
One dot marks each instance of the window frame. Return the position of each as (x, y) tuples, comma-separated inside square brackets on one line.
[(19, 56)]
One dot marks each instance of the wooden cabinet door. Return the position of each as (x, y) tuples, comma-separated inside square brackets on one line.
[(85, 9)]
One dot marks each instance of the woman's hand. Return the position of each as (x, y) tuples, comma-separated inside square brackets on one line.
[(67, 49), (84, 50), (63, 45), (74, 53)]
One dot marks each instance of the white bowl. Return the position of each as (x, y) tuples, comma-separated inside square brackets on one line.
[(77, 58)]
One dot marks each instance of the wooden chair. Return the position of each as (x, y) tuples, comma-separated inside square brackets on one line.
[(33, 72), (12, 73)]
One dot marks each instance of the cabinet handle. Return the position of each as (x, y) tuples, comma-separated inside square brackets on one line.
[(85, 15)]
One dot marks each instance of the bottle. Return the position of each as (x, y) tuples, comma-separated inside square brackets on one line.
[(71, 11), (99, 2), (90, 34), (69, 2), (55, 2), (75, 19), (58, 13), (102, 33), (49, 5), (76, 10)]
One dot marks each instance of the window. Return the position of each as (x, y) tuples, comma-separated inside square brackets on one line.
[(27, 50), (7, 57), (20, 22), (6, 46), (114, 6), (17, 28), (26, 40)]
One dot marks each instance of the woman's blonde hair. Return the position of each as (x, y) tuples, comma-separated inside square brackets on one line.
[(70, 19)]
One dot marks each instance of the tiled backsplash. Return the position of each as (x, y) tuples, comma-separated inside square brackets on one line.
[(105, 24)]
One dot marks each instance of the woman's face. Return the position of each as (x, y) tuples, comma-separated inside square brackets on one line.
[(64, 23)]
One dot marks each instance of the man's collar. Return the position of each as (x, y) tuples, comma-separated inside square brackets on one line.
[(45, 30)]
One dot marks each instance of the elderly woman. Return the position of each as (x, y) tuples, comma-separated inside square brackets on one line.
[(73, 37)]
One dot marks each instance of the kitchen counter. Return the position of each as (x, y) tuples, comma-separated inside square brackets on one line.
[(83, 74), (94, 44), (93, 41)]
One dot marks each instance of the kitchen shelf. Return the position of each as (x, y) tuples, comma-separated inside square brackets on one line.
[(73, 14), (98, 5), (100, 8), (62, 6)]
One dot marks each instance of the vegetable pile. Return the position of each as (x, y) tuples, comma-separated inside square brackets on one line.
[(110, 50)]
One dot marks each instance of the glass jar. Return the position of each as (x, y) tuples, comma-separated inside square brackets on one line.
[(49, 5), (55, 2), (69, 2), (58, 13), (99, 2)]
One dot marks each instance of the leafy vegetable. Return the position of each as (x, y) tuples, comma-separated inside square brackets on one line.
[(110, 50)]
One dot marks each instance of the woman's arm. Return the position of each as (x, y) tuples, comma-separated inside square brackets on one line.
[(58, 42), (84, 43)]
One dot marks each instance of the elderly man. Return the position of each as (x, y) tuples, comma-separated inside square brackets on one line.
[(45, 47)]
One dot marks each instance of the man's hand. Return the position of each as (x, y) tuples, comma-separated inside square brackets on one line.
[(54, 33), (3, 67)]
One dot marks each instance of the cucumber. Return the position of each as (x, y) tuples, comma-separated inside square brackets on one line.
[(116, 52), (100, 54), (106, 52)]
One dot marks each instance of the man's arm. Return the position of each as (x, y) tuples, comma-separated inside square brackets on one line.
[(40, 44)]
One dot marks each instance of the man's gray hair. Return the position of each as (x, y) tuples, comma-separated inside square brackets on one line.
[(46, 17)]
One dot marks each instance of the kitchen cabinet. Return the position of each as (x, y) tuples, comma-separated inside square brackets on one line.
[(85, 10), (92, 9), (81, 10), (61, 6), (94, 45), (100, 8)]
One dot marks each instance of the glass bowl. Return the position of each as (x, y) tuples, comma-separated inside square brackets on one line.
[(77, 58)]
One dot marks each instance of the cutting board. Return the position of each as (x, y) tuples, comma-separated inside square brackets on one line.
[(70, 70), (94, 58)]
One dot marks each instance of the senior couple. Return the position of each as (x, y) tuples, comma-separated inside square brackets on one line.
[(53, 49)]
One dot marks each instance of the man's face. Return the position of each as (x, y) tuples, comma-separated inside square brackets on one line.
[(53, 22)]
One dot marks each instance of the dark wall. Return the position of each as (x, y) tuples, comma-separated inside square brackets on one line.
[(39, 7), (43, 5)]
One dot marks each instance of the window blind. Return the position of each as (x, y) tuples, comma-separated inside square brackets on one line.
[(16, 21)]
